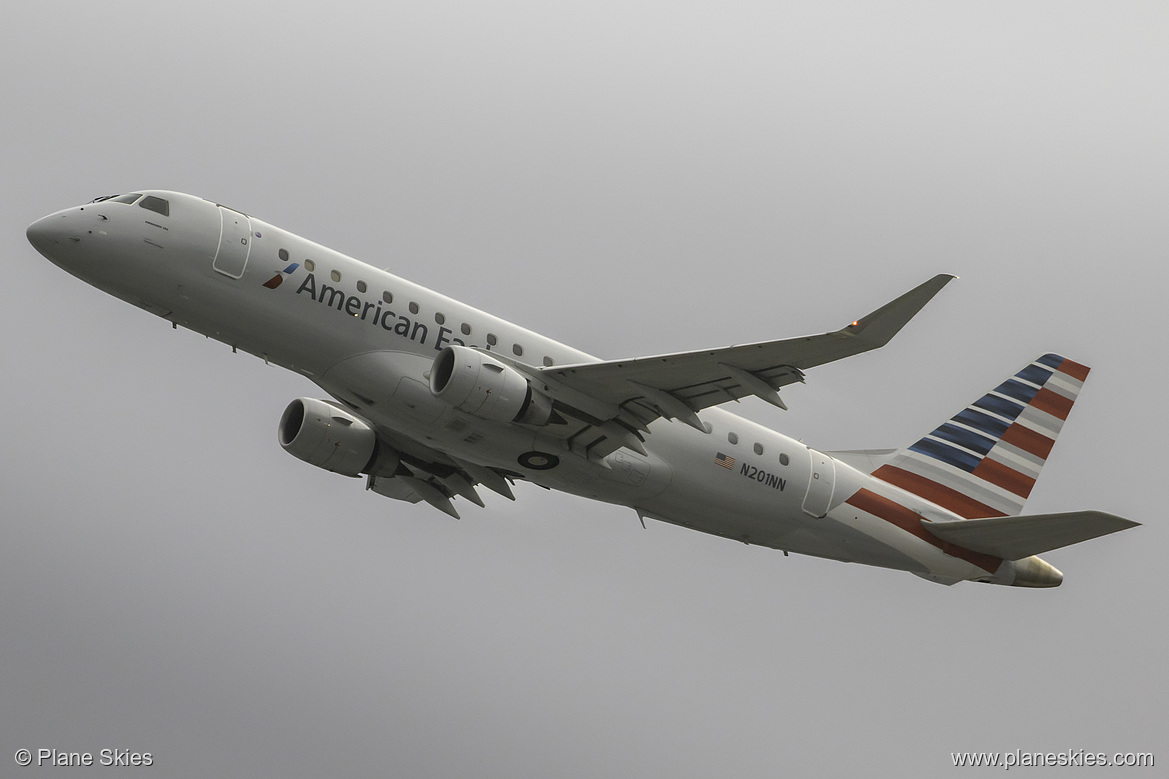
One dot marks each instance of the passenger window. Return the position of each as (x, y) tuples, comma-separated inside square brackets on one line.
[(466, 328), (733, 438), (361, 286), (441, 319), (517, 350), (155, 204), (310, 266), (335, 275), (283, 253), (413, 307), (548, 362), (491, 339), (758, 448), (386, 296), (784, 459)]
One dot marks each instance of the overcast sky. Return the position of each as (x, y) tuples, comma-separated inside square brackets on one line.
[(630, 178)]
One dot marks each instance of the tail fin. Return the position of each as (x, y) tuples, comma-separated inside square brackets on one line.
[(984, 461)]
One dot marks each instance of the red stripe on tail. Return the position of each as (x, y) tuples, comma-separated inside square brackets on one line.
[(1052, 402), (1074, 369), (1004, 476), (1028, 440), (947, 498)]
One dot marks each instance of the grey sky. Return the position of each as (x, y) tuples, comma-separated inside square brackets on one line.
[(630, 178)]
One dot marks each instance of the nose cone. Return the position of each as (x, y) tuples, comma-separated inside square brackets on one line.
[(45, 234), (67, 238), (57, 237)]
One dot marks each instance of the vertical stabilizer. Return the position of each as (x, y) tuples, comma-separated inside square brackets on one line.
[(984, 461)]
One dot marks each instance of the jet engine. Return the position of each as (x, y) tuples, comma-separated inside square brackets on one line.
[(328, 437), (481, 385)]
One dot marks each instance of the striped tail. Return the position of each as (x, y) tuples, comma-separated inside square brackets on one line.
[(984, 461)]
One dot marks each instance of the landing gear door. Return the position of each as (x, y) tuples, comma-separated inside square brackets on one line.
[(820, 485), (235, 243)]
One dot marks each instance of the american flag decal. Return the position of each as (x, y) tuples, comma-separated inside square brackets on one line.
[(724, 461)]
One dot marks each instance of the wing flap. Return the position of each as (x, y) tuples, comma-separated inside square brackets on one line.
[(1013, 538)]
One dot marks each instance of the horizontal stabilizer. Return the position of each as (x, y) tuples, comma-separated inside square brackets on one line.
[(1013, 538)]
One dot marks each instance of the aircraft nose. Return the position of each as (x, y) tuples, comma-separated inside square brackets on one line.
[(46, 234)]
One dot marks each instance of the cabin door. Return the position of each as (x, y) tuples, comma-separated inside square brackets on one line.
[(235, 243)]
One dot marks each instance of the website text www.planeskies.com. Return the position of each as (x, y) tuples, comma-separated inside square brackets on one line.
[(1069, 758)]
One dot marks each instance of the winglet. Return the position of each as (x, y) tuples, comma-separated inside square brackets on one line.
[(879, 327)]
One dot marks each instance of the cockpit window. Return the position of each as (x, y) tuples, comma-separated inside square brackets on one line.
[(156, 204), (127, 198)]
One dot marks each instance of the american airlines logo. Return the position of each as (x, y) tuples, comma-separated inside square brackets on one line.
[(278, 279), (372, 312)]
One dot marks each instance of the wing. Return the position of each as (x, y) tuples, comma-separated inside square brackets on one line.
[(618, 399), (603, 406)]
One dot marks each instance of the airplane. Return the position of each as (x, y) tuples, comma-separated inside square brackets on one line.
[(430, 400)]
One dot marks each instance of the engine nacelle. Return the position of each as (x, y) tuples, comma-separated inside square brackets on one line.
[(327, 436), (481, 385)]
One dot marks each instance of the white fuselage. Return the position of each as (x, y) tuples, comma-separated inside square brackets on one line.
[(369, 339)]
